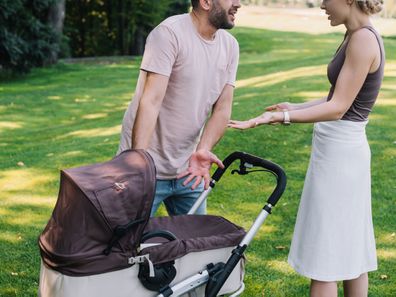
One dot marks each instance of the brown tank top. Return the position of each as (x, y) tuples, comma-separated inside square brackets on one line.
[(365, 99)]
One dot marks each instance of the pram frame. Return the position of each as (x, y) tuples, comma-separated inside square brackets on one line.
[(216, 275)]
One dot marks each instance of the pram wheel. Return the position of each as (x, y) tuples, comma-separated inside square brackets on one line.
[(163, 274)]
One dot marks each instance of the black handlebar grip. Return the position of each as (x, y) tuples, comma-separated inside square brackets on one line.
[(259, 162)]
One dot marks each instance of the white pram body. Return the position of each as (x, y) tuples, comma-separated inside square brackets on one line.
[(125, 282)]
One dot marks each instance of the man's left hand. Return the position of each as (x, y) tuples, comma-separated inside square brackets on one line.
[(198, 168)]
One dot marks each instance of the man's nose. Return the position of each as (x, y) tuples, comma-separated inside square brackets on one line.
[(237, 3)]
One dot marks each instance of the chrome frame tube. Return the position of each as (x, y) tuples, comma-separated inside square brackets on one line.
[(200, 200), (189, 284), (255, 227)]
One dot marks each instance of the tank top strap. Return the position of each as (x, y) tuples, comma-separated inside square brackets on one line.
[(370, 28), (342, 43)]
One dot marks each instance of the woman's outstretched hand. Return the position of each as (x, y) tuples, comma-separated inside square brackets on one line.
[(242, 125), (280, 107), (272, 115), (265, 118)]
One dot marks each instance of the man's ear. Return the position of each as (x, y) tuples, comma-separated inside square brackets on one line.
[(205, 4)]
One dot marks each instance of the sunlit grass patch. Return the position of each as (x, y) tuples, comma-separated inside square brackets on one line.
[(95, 132)]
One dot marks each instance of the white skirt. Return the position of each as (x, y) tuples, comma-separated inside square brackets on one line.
[(333, 237)]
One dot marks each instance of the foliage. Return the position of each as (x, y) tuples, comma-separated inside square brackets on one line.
[(92, 28), (26, 40), (70, 114), (114, 27)]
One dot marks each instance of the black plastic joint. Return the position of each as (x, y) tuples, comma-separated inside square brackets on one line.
[(239, 250), (214, 268), (267, 208), (166, 291)]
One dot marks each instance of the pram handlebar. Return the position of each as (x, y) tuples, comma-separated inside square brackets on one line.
[(217, 280), (259, 162)]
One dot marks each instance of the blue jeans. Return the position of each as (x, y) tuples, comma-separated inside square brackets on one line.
[(178, 199)]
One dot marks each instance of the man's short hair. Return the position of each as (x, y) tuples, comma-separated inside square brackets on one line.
[(194, 3)]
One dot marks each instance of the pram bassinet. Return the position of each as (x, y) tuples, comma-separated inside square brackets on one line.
[(92, 243)]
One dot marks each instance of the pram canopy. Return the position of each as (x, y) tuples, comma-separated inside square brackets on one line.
[(93, 202), (102, 212)]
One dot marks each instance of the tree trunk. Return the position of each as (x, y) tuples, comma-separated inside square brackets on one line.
[(82, 10), (120, 28), (138, 42), (56, 17)]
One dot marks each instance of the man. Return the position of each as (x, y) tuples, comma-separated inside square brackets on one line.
[(188, 71)]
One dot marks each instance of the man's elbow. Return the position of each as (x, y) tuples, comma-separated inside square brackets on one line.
[(151, 101)]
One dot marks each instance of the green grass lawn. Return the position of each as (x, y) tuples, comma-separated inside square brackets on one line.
[(70, 115)]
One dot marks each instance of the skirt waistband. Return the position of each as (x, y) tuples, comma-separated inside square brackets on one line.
[(341, 130)]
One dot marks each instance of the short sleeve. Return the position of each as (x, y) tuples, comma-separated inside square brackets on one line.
[(160, 52), (233, 66)]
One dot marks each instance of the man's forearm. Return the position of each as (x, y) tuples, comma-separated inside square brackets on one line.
[(217, 123), (144, 125), (148, 110), (214, 130)]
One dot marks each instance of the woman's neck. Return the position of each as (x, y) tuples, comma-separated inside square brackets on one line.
[(357, 22)]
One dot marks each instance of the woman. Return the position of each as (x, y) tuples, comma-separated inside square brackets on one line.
[(333, 238)]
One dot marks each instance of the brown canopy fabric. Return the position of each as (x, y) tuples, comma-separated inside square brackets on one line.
[(93, 201), (194, 233)]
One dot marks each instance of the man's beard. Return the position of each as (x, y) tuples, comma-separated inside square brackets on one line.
[(218, 17)]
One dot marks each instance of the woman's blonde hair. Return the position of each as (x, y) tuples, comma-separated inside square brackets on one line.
[(370, 6)]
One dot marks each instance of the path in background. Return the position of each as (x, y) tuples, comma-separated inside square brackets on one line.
[(308, 20)]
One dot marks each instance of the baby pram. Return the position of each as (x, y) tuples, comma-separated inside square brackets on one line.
[(100, 240)]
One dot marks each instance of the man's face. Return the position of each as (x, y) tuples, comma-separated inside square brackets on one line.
[(222, 14)]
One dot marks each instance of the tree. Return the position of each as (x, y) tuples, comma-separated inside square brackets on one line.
[(115, 27), (26, 38), (147, 15)]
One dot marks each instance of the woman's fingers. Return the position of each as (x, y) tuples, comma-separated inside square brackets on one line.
[(278, 107), (272, 107), (238, 124), (247, 124)]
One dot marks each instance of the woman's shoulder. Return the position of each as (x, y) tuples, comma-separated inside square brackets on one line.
[(363, 42), (365, 33)]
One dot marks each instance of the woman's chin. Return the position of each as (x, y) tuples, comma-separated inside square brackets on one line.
[(333, 23)]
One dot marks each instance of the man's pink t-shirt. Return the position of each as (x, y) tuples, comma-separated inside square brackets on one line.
[(198, 70)]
